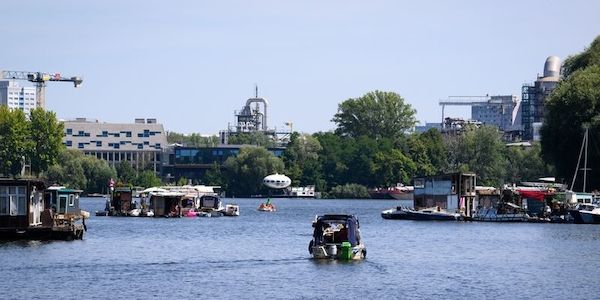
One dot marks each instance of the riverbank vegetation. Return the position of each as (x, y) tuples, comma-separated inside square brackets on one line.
[(372, 146)]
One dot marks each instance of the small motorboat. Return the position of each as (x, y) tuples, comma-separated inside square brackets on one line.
[(398, 213), (585, 213), (231, 210), (432, 214), (337, 237), (267, 206)]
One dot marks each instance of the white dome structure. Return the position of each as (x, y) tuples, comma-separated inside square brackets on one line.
[(277, 181), (552, 67)]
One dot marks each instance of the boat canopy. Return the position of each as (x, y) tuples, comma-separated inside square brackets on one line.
[(350, 222), (210, 201)]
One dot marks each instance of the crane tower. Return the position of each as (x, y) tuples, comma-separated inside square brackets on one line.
[(40, 79)]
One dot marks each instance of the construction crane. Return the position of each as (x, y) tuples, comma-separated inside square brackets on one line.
[(39, 79)]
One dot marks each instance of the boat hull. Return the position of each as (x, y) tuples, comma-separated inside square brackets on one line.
[(584, 217), (359, 252), (394, 214), (491, 215), (418, 216)]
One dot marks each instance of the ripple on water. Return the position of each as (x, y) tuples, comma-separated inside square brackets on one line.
[(264, 255)]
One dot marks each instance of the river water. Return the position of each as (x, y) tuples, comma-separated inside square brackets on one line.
[(265, 255)]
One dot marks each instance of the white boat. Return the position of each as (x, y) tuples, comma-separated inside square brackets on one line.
[(586, 214), (337, 237), (432, 214), (504, 212), (231, 210)]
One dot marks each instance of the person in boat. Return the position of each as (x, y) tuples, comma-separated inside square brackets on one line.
[(268, 203), (341, 235)]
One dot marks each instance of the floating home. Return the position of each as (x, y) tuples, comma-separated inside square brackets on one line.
[(27, 211), (120, 202), (453, 192)]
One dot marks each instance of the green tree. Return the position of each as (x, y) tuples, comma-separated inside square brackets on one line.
[(252, 138), (301, 160), (349, 191), (246, 171), (525, 163), (75, 170), (376, 114), (589, 57), (69, 171), (126, 174), (392, 167), (148, 179), (46, 136), (435, 149), (14, 141), (215, 176), (97, 173), (573, 105), (482, 151)]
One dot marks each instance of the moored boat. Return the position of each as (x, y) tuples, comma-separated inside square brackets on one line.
[(398, 213), (586, 214), (231, 210), (432, 214), (504, 212), (401, 192), (337, 237)]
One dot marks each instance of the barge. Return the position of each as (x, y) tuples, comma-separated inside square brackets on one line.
[(28, 211)]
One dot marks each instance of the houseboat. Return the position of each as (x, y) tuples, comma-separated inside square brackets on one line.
[(337, 237), (166, 204), (502, 212), (27, 211), (453, 193)]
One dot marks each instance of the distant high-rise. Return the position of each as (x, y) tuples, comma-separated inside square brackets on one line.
[(497, 111), (534, 97), (17, 97)]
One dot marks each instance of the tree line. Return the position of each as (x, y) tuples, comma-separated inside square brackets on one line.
[(372, 146)]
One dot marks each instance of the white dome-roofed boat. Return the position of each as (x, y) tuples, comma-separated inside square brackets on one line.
[(277, 181)]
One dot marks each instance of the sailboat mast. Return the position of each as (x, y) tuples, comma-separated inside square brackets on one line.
[(585, 160), (578, 161)]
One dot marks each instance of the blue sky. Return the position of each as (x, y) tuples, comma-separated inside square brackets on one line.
[(190, 64)]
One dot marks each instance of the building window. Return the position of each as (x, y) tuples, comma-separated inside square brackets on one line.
[(140, 146), (116, 146), (98, 143), (69, 130), (69, 143), (71, 200), (80, 146), (13, 200)]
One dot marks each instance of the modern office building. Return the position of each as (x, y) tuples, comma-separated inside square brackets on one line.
[(17, 97), (534, 97), (193, 162), (500, 111), (140, 143)]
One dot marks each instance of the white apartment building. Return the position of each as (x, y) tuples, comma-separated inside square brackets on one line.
[(17, 97)]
